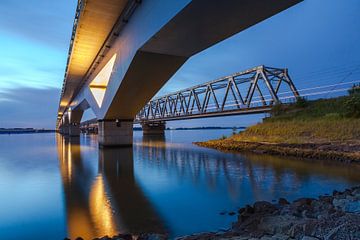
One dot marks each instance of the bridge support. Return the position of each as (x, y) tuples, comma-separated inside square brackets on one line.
[(63, 130), (153, 128), (73, 130), (114, 133)]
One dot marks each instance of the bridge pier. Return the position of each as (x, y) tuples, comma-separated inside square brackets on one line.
[(114, 133), (153, 128), (73, 130), (64, 130)]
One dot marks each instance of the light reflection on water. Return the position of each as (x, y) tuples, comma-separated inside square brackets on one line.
[(56, 187)]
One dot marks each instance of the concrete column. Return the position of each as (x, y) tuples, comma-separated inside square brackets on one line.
[(65, 129), (153, 128), (74, 130), (114, 133)]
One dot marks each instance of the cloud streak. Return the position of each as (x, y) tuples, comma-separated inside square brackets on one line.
[(29, 107)]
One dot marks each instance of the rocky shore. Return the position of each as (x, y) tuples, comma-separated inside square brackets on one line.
[(328, 217)]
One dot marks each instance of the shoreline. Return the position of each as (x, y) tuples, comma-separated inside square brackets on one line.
[(348, 152), (330, 216)]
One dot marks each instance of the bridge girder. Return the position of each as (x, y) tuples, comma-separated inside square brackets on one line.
[(239, 93)]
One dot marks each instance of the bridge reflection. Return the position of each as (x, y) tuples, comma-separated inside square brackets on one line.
[(106, 200), (103, 196), (264, 175)]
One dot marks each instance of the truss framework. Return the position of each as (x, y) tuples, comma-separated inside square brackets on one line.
[(251, 91)]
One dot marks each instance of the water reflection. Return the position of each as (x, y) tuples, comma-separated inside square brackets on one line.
[(265, 176), (178, 188), (107, 201)]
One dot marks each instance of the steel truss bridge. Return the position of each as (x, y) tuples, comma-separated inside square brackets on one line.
[(254, 90)]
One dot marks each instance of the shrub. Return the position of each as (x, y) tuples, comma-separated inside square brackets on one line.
[(223, 137), (352, 105), (277, 110), (234, 130), (354, 90), (301, 102)]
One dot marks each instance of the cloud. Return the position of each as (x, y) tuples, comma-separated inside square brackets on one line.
[(29, 107)]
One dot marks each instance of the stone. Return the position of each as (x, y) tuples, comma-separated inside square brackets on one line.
[(263, 206), (309, 238), (248, 209), (280, 236), (231, 213), (303, 201), (283, 201), (327, 199), (356, 192), (152, 236), (339, 203), (352, 207), (274, 224), (125, 236), (267, 237)]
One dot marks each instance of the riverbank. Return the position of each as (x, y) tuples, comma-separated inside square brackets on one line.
[(321, 129), (24, 130), (327, 217)]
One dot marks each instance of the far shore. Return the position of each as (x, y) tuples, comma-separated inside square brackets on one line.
[(24, 130)]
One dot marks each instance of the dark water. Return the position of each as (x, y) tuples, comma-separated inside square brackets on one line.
[(52, 187)]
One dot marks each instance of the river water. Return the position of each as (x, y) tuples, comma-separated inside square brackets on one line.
[(53, 187)]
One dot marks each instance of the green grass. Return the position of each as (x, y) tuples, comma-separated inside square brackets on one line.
[(323, 120)]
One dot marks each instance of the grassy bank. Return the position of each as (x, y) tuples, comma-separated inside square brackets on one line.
[(325, 128)]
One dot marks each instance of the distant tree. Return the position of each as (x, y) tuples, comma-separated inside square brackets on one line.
[(355, 89), (301, 102), (352, 104), (223, 137), (234, 131), (276, 110)]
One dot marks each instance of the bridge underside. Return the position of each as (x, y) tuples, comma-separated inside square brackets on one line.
[(144, 51)]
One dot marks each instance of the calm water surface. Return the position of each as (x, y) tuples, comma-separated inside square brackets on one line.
[(52, 187)]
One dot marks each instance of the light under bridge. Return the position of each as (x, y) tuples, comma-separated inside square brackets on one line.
[(252, 91), (123, 51)]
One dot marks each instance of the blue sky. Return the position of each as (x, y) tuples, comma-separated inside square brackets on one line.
[(318, 40)]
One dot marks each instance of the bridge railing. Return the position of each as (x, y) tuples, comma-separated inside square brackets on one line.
[(252, 90)]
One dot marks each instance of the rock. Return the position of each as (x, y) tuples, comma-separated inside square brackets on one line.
[(275, 224), (263, 206), (352, 207), (248, 209), (356, 192), (327, 199), (124, 236), (79, 238), (152, 236), (231, 213), (339, 203), (280, 236), (105, 238), (283, 201), (309, 238), (303, 201), (236, 238), (266, 237)]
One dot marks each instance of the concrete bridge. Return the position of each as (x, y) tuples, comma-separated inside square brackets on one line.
[(123, 51)]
